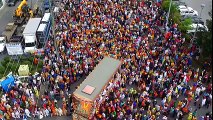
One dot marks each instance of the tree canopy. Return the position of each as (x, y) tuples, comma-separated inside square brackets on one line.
[(204, 39), (175, 16)]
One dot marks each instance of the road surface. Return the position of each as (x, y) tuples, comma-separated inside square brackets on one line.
[(196, 4), (6, 14)]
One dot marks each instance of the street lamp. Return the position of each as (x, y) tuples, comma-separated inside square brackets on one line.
[(31, 4), (167, 19), (202, 6)]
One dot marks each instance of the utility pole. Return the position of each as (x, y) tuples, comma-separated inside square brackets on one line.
[(202, 6), (167, 19), (53, 28), (31, 4)]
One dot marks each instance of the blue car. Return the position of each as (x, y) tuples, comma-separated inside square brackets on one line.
[(46, 4), (11, 2)]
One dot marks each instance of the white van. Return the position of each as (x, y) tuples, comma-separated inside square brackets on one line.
[(182, 7), (188, 12), (2, 44), (199, 27)]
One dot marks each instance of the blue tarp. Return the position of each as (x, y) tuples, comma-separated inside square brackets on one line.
[(7, 83)]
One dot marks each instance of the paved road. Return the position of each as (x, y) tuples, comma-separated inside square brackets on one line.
[(196, 4), (6, 14)]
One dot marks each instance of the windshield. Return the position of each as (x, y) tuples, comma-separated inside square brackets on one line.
[(30, 44)]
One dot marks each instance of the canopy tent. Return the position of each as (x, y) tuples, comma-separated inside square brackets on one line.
[(7, 83)]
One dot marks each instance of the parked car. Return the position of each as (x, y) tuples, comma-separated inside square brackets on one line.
[(198, 21), (11, 2), (178, 2), (199, 27), (188, 12), (195, 19), (186, 16), (182, 7), (2, 44)]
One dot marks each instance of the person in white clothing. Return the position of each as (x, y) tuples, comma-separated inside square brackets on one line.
[(40, 114), (27, 112), (46, 113), (203, 102), (13, 115), (17, 114), (60, 112)]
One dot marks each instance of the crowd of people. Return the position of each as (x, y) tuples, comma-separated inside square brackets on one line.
[(156, 65)]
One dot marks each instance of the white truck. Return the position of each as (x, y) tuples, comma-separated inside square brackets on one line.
[(43, 30), (29, 34), (2, 44), (199, 27), (10, 41)]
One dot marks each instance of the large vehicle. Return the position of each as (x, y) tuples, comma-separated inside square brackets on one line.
[(85, 97), (29, 34), (22, 12), (9, 31), (43, 31), (11, 41), (15, 46)]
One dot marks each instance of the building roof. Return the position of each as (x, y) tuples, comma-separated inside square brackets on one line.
[(97, 79), (32, 26)]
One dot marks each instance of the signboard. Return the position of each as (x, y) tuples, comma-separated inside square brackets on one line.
[(14, 49)]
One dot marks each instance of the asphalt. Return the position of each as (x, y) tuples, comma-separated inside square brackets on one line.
[(196, 5), (6, 14)]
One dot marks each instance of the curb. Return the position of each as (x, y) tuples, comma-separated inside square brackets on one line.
[(3, 1)]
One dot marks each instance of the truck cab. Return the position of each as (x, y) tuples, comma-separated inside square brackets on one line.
[(2, 44), (29, 34), (30, 44)]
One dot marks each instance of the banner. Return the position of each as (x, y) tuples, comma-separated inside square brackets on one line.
[(14, 49)]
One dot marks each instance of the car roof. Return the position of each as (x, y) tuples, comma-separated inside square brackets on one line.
[(194, 25), (11, 0), (2, 38), (196, 19), (182, 6), (190, 8)]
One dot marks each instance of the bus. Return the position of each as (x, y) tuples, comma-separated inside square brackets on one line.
[(43, 30), (86, 95)]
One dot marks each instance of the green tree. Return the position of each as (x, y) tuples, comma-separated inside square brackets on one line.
[(185, 25), (165, 6), (204, 39), (2, 69), (175, 16), (174, 13)]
